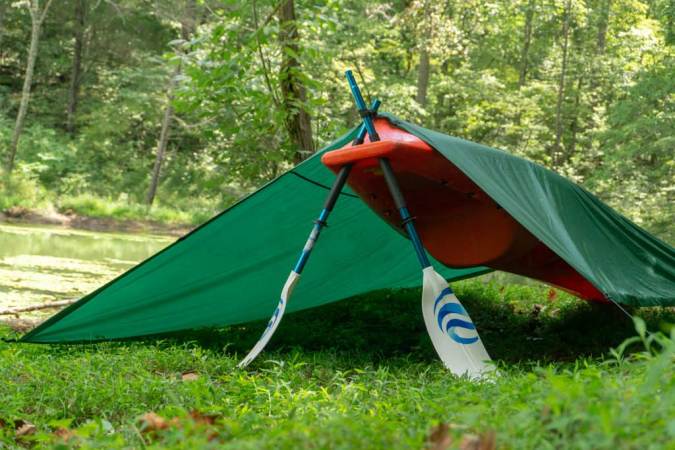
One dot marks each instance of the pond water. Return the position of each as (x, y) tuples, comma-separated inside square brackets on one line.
[(42, 264)]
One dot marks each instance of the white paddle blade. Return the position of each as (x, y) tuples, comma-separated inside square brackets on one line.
[(451, 330), (274, 321)]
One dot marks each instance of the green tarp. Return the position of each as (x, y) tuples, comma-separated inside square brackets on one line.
[(626, 263), (231, 269)]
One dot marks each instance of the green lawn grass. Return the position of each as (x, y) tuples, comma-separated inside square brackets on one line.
[(358, 374)]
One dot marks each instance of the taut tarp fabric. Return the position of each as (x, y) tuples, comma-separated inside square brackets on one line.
[(231, 269)]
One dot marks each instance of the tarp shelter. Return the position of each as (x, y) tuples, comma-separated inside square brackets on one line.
[(230, 269)]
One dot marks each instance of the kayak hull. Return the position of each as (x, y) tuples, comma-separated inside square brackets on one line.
[(459, 224)]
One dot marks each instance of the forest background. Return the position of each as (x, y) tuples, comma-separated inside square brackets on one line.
[(171, 110)]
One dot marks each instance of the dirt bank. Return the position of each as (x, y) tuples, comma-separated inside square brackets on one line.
[(20, 215)]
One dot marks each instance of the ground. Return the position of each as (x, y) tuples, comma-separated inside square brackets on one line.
[(104, 221), (359, 374)]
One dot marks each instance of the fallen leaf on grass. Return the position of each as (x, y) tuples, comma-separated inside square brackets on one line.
[(205, 420), (439, 437), (64, 433), (152, 422), (200, 418), (485, 441), (24, 428), (190, 375)]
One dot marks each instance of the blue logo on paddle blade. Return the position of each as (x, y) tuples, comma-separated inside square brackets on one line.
[(454, 323), (274, 318)]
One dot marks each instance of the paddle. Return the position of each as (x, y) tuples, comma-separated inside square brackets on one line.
[(294, 276), (450, 328)]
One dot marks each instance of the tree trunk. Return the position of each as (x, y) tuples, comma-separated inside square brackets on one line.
[(3, 14), (76, 69), (527, 38), (556, 150), (294, 96), (424, 70), (188, 22), (37, 17), (600, 69), (163, 139), (423, 78), (603, 24), (574, 128)]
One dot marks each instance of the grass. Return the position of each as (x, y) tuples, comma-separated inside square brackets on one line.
[(359, 374), (192, 213), (26, 194)]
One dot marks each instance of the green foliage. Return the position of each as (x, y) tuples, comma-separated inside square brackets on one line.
[(353, 376), (121, 132), (229, 134), (22, 191), (46, 153), (641, 136)]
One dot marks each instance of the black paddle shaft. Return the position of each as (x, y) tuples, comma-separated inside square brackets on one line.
[(389, 176), (407, 219), (338, 184), (392, 184)]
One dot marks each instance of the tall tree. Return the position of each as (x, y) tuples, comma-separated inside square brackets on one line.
[(527, 39), (293, 92), (163, 141), (574, 126), (423, 74), (556, 150), (3, 12), (37, 17), (76, 67), (599, 58), (424, 70), (188, 21), (603, 24)]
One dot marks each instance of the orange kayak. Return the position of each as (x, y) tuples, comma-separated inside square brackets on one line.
[(460, 225)]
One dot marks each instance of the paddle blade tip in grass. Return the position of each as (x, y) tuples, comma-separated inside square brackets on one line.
[(274, 321), (451, 330)]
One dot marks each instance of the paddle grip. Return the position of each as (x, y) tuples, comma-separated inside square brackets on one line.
[(361, 105), (361, 135)]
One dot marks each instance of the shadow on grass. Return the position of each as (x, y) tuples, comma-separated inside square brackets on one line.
[(516, 323)]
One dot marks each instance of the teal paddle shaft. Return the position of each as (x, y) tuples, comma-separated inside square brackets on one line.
[(333, 195), (450, 328), (407, 219), (361, 106), (294, 276), (389, 176)]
